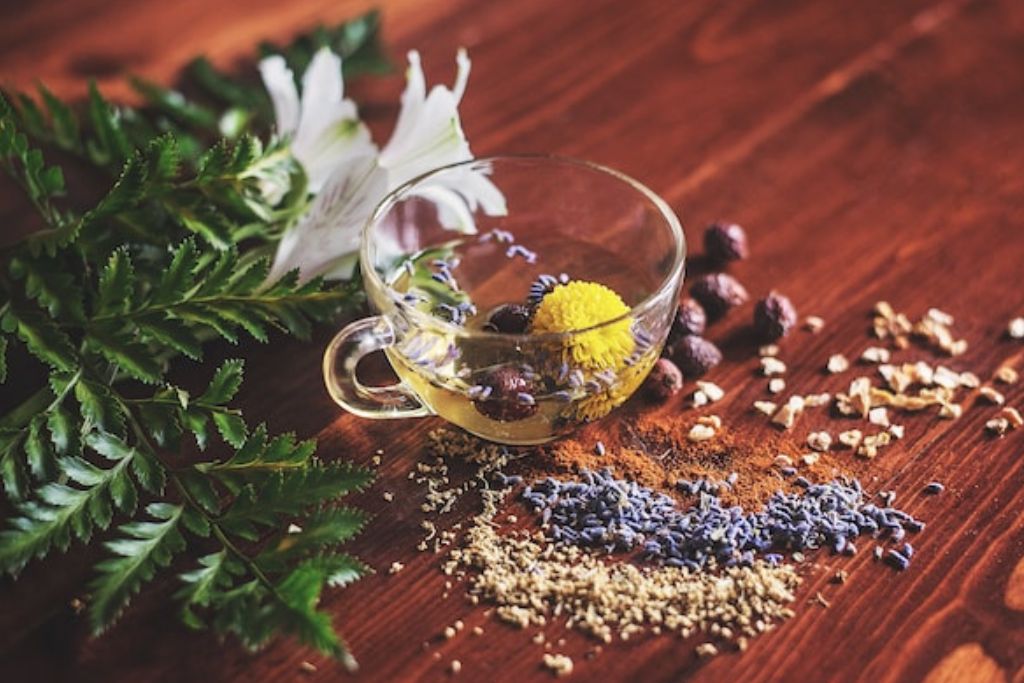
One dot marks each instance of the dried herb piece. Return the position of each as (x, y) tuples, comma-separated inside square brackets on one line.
[(665, 380), (696, 355), (507, 396), (690, 320), (774, 317), (509, 319), (724, 242), (717, 293)]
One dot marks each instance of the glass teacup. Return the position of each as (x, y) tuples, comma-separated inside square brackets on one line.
[(478, 325)]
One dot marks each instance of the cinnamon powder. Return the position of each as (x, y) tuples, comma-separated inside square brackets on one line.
[(653, 450)]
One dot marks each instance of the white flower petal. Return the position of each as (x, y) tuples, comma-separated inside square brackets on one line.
[(452, 211), (461, 75), (331, 228), (477, 189), (459, 193), (428, 134), (280, 84), (413, 96), (322, 90), (329, 130), (320, 152)]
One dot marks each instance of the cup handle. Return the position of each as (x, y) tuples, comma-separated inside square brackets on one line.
[(340, 361)]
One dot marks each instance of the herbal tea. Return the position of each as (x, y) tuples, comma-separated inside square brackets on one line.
[(544, 287)]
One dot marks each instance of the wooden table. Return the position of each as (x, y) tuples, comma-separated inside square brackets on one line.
[(873, 150)]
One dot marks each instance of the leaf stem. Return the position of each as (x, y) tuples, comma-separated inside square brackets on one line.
[(32, 406), (228, 544), (220, 299)]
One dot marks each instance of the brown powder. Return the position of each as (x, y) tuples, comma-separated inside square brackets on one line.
[(653, 449)]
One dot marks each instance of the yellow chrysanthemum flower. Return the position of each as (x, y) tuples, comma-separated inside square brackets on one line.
[(578, 305)]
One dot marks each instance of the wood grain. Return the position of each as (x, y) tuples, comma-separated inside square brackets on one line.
[(873, 150)]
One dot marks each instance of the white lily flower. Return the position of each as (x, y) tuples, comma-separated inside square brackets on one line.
[(354, 178), (323, 126), (325, 241), (429, 135)]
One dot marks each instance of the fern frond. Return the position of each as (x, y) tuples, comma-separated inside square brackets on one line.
[(142, 549), (324, 529), (61, 511)]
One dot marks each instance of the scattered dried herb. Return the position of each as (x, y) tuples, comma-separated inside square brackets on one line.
[(717, 293)]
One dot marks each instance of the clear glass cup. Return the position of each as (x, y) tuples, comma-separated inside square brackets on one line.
[(572, 221)]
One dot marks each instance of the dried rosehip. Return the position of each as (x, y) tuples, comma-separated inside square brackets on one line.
[(664, 381), (696, 355), (724, 242), (506, 395), (717, 293), (509, 319), (690, 319), (774, 317)]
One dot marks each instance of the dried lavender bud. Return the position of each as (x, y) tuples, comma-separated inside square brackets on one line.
[(510, 395), (509, 319), (690, 319), (717, 293), (664, 381), (696, 355), (774, 317), (724, 242)]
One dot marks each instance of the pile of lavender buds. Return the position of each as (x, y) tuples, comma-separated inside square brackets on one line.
[(616, 515)]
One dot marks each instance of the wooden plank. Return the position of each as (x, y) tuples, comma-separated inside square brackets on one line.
[(872, 154)]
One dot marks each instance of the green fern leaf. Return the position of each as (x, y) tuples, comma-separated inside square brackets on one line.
[(99, 407), (43, 525), (325, 528), (38, 450), (201, 490), (119, 347), (173, 333), (286, 494), (48, 281), (116, 286), (339, 570), (143, 548), (42, 337), (231, 427), (203, 585), (12, 469), (207, 222), (225, 383), (61, 511), (65, 124), (179, 276), (295, 612), (111, 145), (174, 104), (64, 431)]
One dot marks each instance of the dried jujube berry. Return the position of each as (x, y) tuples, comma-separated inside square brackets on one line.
[(664, 381), (690, 319), (717, 293), (724, 242), (509, 395), (774, 317), (509, 319), (696, 355)]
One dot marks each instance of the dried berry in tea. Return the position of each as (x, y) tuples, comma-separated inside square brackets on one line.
[(509, 319), (506, 395)]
